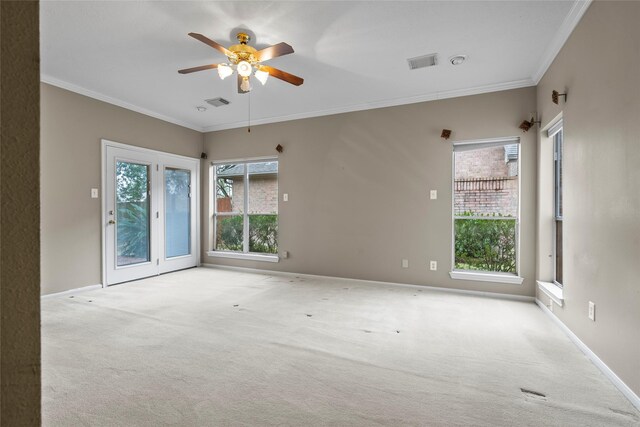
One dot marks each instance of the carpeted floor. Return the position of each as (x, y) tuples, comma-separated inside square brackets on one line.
[(209, 347)]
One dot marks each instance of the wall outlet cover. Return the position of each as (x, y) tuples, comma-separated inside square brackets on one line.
[(94, 193), (405, 263), (433, 194), (592, 311), (433, 265), (285, 197)]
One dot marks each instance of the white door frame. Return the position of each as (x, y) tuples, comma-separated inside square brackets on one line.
[(104, 143)]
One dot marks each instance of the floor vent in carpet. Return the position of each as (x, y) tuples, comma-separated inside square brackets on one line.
[(533, 394)]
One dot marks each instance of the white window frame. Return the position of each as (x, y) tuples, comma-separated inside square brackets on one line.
[(476, 275), (245, 254), (557, 132)]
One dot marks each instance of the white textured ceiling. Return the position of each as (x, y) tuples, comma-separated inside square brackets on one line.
[(352, 55)]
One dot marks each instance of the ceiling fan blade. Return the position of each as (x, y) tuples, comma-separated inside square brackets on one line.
[(211, 43), (200, 68), (282, 75), (274, 51), (240, 90)]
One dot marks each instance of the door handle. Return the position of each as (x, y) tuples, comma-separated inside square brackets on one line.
[(111, 221)]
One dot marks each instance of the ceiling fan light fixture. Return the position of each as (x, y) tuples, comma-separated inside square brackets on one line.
[(224, 71), (244, 68), (262, 76), (245, 86)]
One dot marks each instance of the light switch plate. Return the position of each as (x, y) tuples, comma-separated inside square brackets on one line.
[(405, 263), (592, 311), (94, 193), (285, 197), (433, 194)]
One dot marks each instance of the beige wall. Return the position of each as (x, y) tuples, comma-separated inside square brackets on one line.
[(72, 127), (358, 186), (19, 215), (600, 68)]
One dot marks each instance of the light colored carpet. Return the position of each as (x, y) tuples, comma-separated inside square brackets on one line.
[(209, 347)]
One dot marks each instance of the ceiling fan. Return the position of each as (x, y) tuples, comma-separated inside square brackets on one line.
[(245, 60)]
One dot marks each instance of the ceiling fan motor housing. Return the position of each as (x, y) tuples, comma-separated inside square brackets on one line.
[(242, 51)]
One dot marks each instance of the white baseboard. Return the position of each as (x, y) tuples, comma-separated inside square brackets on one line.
[(377, 283), (617, 382), (72, 291)]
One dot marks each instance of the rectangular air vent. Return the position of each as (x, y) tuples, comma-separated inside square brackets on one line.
[(423, 61), (217, 102)]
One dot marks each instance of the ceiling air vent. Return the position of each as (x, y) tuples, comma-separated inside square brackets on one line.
[(217, 102), (423, 61)]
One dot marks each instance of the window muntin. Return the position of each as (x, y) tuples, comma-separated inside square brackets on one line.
[(246, 207), (486, 206), (558, 153)]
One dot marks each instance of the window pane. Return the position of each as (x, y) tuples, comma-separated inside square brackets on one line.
[(177, 186), (485, 244), (558, 156), (486, 181), (263, 234), (558, 252), (230, 188), (229, 233), (486, 208), (132, 213), (263, 207)]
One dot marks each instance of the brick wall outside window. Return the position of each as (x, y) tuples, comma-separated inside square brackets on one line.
[(263, 194), (485, 183)]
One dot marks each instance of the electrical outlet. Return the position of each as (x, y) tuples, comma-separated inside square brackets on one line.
[(285, 197), (285, 254), (592, 311), (405, 263), (94, 193), (433, 265), (433, 194)]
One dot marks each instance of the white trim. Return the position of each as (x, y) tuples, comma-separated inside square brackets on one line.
[(244, 255), (555, 128), (244, 160), (617, 382), (72, 291), (115, 101), (552, 291), (144, 150), (511, 279), (522, 298), (505, 140), (497, 87), (568, 25)]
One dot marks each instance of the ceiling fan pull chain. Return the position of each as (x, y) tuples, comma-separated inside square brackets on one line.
[(249, 121)]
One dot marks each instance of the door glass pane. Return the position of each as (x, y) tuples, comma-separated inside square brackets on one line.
[(229, 235), (230, 188), (177, 211), (132, 213), (263, 207)]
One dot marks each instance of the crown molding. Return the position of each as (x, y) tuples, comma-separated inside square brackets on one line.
[(517, 84), (568, 25), (114, 101)]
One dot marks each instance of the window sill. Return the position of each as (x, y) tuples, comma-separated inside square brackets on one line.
[(244, 256), (511, 279), (552, 291)]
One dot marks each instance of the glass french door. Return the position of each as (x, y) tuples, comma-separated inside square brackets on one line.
[(150, 202)]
